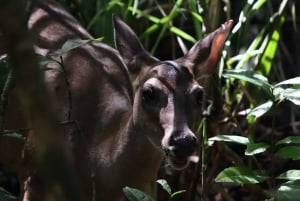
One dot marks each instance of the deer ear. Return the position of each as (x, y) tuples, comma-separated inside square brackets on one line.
[(130, 48), (203, 57)]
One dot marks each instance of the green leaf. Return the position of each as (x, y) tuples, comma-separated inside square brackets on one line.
[(256, 148), (291, 175), (183, 34), (288, 191), (72, 44), (289, 140), (260, 110), (292, 81), (270, 51), (230, 138), (6, 196), (164, 184), (241, 175), (249, 76), (292, 95), (14, 135), (289, 152), (177, 193), (133, 194)]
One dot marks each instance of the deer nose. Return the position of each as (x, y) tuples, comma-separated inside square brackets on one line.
[(183, 143)]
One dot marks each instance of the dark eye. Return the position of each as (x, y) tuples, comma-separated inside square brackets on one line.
[(198, 95), (149, 94)]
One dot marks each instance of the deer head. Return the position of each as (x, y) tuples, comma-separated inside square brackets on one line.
[(168, 98)]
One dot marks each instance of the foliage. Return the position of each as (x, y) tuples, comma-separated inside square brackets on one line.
[(258, 80)]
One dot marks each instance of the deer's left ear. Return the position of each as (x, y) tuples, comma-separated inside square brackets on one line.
[(203, 57)]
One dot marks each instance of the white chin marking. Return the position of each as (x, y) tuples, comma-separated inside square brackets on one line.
[(178, 165)]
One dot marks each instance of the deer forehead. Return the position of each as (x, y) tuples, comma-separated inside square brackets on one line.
[(172, 77)]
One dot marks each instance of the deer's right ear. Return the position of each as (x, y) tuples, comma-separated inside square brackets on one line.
[(130, 48)]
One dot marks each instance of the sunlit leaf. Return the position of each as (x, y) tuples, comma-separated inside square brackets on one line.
[(288, 191), (258, 4), (182, 34), (292, 95), (291, 175), (289, 152), (292, 81), (289, 140), (164, 184), (270, 49), (241, 175), (260, 110), (249, 76), (230, 138), (256, 148), (133, 194), (15, 135)]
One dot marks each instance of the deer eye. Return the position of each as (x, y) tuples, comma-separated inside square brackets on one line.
[(149, 94), (198, 94)]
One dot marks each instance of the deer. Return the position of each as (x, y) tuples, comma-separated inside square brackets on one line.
[(132, 109)]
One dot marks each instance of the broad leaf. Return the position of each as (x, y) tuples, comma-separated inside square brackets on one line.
[(292, 81), (291, 175), (249, 76), (288, 191), (289, 152), (133, 194), (289, 140), (230, 138), (164, 184), (256, 148), (292, 95), (260, 110), (240, 175)]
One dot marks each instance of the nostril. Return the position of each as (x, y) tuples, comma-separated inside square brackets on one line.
[(183, 144)]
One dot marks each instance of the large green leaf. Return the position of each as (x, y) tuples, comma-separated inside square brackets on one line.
[(288, 191), (289, 152), (256, 148), (289, 140), (133, 194), (292, 81), (229, 138), (260, 110), (241, 175), (250, 76), (292, 95), (291, 175)]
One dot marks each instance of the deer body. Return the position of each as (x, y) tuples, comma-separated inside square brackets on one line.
[(130, 109)]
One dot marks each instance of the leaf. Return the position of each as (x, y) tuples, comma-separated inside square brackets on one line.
[(289, 140), (289, 152), (177, 193), (164, 184), (288, 191), (230, 138), (256, 148), (260, 110), (292, 81), (240, 175), (133, 194), (6, 196), (183, 34), (292, 95), (14, 135), (270, 51), (72, 44), (291, 175), (249, 76)]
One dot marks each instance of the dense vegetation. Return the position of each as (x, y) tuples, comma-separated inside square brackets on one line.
[(250, 130)]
